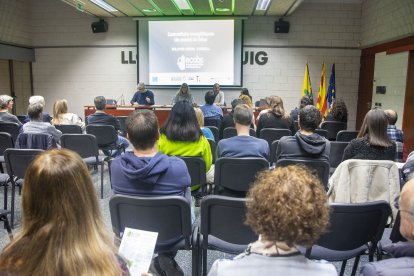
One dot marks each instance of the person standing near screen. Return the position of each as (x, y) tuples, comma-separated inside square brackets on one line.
[(143, 96), (219, 100)]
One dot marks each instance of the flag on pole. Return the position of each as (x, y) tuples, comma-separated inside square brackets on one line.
[(331, 89), (321, 102), (307, 88)]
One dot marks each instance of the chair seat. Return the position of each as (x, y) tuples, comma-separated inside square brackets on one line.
[(319, 253), (92, 160), (4, 177), (223, 246)]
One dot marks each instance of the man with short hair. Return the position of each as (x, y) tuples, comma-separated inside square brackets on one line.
[(102, 118), (395, 134), (305, 144), (210, 110), (37, 99), (228, 120), (243, 145), (143, 96), (218, 95), (403, 252), (147, 172)]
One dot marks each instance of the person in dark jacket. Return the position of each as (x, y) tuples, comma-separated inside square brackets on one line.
[(147, 172), (402, 262), (305, 143), (228, 120)]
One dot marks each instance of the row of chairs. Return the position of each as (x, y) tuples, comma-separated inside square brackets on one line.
[(353, 229)]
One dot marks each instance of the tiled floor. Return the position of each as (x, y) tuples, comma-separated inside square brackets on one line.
[(183, 257)]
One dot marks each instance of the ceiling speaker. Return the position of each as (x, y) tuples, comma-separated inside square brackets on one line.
[(99, 27), (282, 27)]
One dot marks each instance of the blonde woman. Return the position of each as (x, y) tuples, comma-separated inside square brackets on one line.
[(63, 232), (62, 117), (200, 118), (276, 117)]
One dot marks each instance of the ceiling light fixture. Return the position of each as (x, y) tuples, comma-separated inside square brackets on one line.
[(182, 4), (149, 10), (104, 5), (262, 5), (222, 9)]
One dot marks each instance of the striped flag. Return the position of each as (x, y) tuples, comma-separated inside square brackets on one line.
[(321, 103), (331, 89), (307, 88)]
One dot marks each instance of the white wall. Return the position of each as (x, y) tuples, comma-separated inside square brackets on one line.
[(14, 22)]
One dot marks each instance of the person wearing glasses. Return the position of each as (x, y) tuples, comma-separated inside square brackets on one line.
[(402, 262)]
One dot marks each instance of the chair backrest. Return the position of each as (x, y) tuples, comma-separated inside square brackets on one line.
[(229, 132), (213, 148), (196, 168), (322, 132), (32, 140), (318, 167), (69, 129), (12, 128), (106, 135), (84, 144), (170, 216), (333, 128), (122, 122), (6, 142), (21, 118), (215, 132), (273, 134), (233, 176), (220, 212), (212, 122), (17, 160), (346, 135), (354, 225), (273, 149), (337, 151)]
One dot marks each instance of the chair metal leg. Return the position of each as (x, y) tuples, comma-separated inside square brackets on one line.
[(204, 260), (354, 268), (342, 268), (102, 178), (109, 171), (12, 203), (5, 195), (7, 225)]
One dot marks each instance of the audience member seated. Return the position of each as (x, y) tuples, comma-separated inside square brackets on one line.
[(200, 118), (147, 172), (218, 95), (402, 262), (243, 145), (181, 136), (372, 142), (210, 110), (63, 231), (305, 143), (183, 94), (143, 96), (338, 113), (246, 100), (36, 125), (246, 92), (6, 104), (395, 134), (38, 100), (276, 117), (102, 118), (62, 117), (304, 101), (287, 207), (228, 120)]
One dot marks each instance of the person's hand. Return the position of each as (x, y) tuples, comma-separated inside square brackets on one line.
[(148, 99), (146, 274)]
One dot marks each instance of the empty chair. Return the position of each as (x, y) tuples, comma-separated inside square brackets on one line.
[(69, 129), (197, 169), (320, 167), (273, 134), (333, 127), (229, 132), (6, 142), (217, 214), (170, 216), (351, 228), (106, 136), (213, 148), (212, 122), (233, 176), (17, 161), (346, 135), (322, 132), (12, 128), (32, 140), (87, 147), (215, 132), (335, 156)]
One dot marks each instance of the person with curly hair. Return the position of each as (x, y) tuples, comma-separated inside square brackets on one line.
[(339, 112), (287, 207)]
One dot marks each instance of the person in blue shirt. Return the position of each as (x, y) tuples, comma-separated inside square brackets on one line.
[(210, 110), (143, 96)]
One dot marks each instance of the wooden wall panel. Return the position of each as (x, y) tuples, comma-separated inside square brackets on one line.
[(408, 117)]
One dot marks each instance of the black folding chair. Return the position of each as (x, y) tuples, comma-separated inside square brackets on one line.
[(33, 140), (333, 128), (346, 135), (12, 128), (217, 214), (322, 132), (212, 122), (213, 148), (215, 132), (273, 134), (6, 142), (335, 156), (229, 132), (106, 136), (354, 228), (273, 150), (17, 161), (69, 129), (170, 216), (87, 147), (197, 169)]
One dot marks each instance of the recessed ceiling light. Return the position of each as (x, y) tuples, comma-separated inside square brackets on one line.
[(262, 5), (149, 10), (104, 5), (182, 4), (222, 9)]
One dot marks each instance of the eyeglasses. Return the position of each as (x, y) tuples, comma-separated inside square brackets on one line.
[(397, 206)]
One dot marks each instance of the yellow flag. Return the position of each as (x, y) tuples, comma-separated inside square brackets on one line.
[(307, 88)]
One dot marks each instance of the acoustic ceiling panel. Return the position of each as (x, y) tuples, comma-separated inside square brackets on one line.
[(125, 7)]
